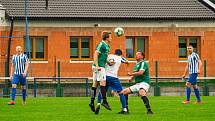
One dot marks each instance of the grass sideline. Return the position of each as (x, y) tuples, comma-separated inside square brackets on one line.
[(77, 109)]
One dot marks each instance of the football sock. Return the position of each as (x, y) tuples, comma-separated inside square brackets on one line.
[(188, 91), (103, 91), (24, 94), (197, 94), (126, 98), (93, 94), (123, 101), (146, 102), (99, 97), (13, 93)]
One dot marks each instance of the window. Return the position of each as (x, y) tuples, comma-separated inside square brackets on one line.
[(38, 48), (80, 48), (134, 44), (184, 42)]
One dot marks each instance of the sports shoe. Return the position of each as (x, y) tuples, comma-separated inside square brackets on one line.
[(198, 102), (127, 109), (123, 112), (106, 105), (11, 103), (185, 102), (150, 112), (92, 107), (23, 103), (97, 109)]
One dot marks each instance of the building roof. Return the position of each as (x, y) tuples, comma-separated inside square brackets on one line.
[(144, 9)]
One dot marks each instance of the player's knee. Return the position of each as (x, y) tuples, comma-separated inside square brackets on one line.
[(142, 92), (14, 85), (195, 87), (23, 87), (123, 91), (103, 83), (187, 84)]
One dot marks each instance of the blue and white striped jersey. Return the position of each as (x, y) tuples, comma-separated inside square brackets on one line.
[(193, 63), (19, 63)]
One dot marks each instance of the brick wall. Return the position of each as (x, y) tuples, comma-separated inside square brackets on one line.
[(163, 47)]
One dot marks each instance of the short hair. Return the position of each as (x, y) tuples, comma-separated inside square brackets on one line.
[(142, 53), (190, 46), (118, 52), (105, 35)]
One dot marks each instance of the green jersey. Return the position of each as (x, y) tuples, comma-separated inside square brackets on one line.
[(142, 65), (103, 49)]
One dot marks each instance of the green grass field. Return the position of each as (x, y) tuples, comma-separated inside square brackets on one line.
[(77, 109)]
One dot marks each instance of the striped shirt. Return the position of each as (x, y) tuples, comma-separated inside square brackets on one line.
[(19, 63), (193, 63)]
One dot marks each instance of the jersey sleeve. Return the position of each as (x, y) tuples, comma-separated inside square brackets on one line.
[(197, 57), (98, 47), (25, 58), (142, 66), (123, 60)]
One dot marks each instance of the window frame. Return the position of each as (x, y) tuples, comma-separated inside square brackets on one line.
[(33, 42), (146, 46), (187, 39), (80, 49)]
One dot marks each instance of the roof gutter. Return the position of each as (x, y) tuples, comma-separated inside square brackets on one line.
[(209, 4)]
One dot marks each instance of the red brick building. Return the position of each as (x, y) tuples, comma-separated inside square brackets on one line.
[(68, 31)]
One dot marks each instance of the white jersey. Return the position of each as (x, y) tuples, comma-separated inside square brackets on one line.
[(113, 69)]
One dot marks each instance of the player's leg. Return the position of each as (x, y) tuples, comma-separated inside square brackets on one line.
[(102, 78), (15, 81), (23, 83), (126, 92), (117, 87), (188, 90), (195, 87), (93, 95), (143, 89), (196, 90)]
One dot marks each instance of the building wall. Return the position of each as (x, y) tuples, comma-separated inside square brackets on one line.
[(162, 47)]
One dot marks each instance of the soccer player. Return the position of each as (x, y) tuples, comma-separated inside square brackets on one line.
[(142, 79), (112, 80), (194, 65), (19, 68), (98, 67)]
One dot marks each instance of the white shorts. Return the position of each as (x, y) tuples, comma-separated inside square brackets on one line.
[(142, 85), (99, 75)]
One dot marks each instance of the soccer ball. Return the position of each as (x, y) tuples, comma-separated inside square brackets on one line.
[(118, 31)]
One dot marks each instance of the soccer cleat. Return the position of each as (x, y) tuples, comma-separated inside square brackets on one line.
[(123, 112), (11, 103), (23, 103), (185, 102), (92, 107), (127, 109), (97, 109), (150, 112), (198, 102), (106, 105)]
